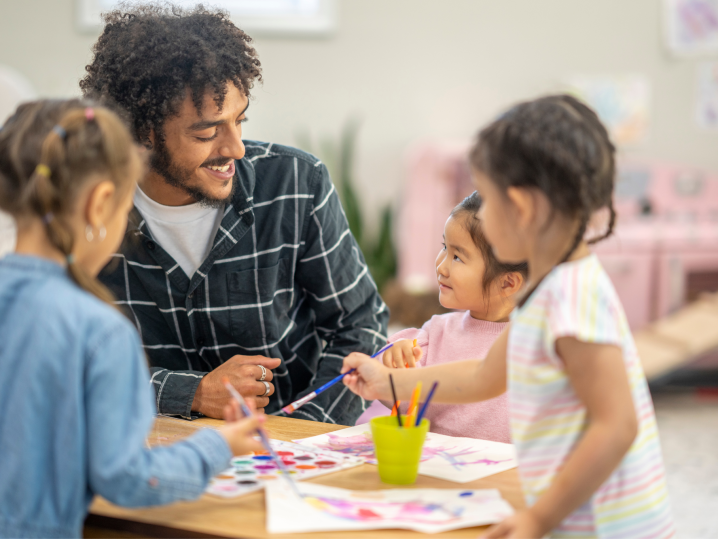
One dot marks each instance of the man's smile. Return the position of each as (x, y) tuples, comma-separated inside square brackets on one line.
[(222, 173)]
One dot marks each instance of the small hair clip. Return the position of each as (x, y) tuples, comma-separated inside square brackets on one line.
[(70, 259), (48, 217), (43, 170), (89, 114), (60, 132)]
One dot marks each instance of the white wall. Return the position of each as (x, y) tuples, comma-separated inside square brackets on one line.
[(414, 70)]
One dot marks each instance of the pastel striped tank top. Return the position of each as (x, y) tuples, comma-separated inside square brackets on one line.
[(577, 299)]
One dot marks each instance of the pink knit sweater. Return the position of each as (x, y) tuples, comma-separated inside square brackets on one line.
[(453, 337)]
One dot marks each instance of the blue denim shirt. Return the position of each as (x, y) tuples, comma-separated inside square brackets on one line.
[(76, 407)]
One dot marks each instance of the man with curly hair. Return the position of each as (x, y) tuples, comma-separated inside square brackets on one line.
[(238, 260)]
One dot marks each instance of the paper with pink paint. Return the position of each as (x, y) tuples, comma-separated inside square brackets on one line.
[(323, 508), (447, 457)]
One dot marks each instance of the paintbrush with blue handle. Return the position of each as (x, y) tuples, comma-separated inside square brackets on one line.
[(289, 408)]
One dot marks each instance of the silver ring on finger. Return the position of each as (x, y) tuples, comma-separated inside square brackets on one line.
[(264, 373), (267, 389)]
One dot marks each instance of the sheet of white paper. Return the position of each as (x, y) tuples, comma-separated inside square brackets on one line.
[(455, 459), (325, 508), (250, 473)]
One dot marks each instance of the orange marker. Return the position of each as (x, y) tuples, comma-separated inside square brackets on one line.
[(413, 346), (394, 410), (413, 405)]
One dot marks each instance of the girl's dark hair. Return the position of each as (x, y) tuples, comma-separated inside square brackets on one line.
[(558, 145), (49, 151), (468, 211)]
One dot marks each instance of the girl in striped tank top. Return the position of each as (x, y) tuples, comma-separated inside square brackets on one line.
[(581, 415)]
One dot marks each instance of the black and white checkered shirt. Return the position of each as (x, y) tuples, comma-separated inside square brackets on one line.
[(284, 278)]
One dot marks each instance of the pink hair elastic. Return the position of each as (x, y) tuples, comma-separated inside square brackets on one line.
[(89, 114)]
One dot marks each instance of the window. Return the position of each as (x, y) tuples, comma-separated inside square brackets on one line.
[(258, 17)]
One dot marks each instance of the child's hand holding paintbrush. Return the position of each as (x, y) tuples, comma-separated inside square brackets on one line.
[(239, 431), (465, 381)]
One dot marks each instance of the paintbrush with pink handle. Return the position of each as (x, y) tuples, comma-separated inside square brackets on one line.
[(262, 436)]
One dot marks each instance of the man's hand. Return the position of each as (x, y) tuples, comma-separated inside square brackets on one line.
[(244, 373)]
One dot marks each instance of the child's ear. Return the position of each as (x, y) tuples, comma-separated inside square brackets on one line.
[(100, 203), (511, 283), (524, 203)]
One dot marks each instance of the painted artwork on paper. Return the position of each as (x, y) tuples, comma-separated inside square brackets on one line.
[(707, 105), (691, 26), (251, 473), (622, 102), (455, 459), (323, 508)]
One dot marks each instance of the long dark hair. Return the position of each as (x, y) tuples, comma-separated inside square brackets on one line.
[(558, 145), (468, 211), (49, 150)]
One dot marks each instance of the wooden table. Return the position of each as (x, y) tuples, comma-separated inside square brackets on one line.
[(245, 516)]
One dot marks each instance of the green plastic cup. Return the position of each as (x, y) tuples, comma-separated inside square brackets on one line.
[(398, 449)]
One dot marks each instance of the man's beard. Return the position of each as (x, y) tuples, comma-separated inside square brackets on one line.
[(161, 163)]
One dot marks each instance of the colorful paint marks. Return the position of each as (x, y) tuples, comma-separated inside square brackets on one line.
[(454, 459), (323, 508), (250, 473)]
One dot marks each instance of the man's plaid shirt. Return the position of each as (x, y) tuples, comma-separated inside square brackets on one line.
[(285, 278)]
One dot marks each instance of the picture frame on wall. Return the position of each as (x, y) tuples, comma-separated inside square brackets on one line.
[(311, 18), (622, 101), (691, 26)]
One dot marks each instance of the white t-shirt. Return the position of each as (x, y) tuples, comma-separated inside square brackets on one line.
[(185, 232), (8, 234)]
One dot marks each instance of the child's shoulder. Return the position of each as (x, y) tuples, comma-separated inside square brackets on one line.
[(55, 319), (579, 281), (66, 300), (438, 322), (63, 308), (447, 319), (459, 324), (578, 299)]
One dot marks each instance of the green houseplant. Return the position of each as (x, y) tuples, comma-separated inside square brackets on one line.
[(338, 155)]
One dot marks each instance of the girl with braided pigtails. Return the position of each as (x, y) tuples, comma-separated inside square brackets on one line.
[(582, 419), (75, 393)]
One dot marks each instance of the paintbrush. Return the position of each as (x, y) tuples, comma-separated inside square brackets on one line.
[(262, 436), (413, 404), (289, 408), (397, 403), (420, 415)]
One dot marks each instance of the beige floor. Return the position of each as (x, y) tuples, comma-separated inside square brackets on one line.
[(688, 427)]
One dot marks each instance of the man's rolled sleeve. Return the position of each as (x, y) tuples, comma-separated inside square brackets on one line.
[(174, 391)]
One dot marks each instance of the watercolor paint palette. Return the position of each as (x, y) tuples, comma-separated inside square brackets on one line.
[(252, 472), (323, 508), (447, 457)]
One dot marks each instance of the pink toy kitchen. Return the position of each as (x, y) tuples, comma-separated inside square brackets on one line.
[(662, 257)]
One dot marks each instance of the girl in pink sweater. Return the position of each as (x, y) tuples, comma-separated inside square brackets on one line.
[(481, 289)]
